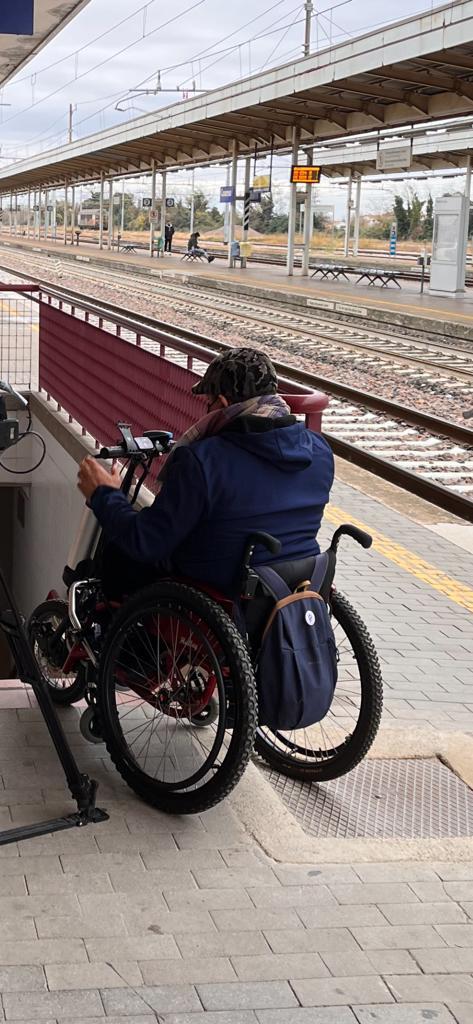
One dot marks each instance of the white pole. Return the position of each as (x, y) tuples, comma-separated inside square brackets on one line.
[(163, 206), (291, 228), (193, 202), (226, 215), (65, 213), (307, 221), (101, 211), (122, 219), (346, 248), (356, 233), (246, 206), (153, 207), (46, 214), (110, 215), (308, 7), (232, 215), (28, 214), (467, 218)]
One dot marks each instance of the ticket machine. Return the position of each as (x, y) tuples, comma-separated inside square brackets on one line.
[(447, 271)]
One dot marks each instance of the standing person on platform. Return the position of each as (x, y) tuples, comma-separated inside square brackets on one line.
[(168, 235)]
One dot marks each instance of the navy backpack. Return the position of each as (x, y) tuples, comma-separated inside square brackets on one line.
[(296, 667)]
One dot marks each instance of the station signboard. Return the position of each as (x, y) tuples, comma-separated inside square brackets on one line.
[(393, 239), (227, 194), (396, 158), (254, 195), (304, 174), (170, 202), (147, 202), (262, 182)]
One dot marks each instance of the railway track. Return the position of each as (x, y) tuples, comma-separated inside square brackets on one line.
[(421, 453), (412, 358)]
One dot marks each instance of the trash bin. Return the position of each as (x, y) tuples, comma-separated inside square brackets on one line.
[(235, 251)]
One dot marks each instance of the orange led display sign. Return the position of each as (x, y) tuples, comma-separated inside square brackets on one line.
[(305, 174)]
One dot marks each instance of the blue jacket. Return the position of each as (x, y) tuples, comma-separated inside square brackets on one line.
[(272, 475)]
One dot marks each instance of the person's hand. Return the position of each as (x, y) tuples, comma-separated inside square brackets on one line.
[(93, 475)]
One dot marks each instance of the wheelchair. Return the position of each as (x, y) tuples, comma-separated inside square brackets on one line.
[(169, 677)]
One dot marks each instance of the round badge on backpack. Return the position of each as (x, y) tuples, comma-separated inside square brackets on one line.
[(310, 618)]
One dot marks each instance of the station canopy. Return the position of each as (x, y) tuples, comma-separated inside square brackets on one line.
[(416, 70), (443, 147), (48, 17)]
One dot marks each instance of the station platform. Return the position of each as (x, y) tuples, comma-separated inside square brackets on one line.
[(239, 916), (404, 307)]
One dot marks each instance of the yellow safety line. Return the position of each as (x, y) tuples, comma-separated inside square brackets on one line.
[(456, 591)]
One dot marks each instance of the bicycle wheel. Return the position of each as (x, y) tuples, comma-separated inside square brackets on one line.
[(172, 660), (341, 740), (49, 632)]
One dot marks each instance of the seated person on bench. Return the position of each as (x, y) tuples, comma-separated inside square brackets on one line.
[(194, 249)]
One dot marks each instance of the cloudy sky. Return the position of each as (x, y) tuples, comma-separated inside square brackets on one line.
[(110, 49)]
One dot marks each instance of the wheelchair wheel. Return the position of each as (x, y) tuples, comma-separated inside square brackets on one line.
[(48, 631), (173, 660), (341, 740)]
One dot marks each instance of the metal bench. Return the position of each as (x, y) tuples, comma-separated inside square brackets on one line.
[(128, 247), (191, 255), (332, 271), (375, 274)]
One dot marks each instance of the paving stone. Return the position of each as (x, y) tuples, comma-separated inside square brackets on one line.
[(229, 878), (461, 1012), (82, 976), (81, 927), (211, 840), (255, 920), (306, 1015), (169, 922), (43, 951), (21, 979), (459, 890), (222, 944), (220, 1017), (211, 899), (424, 1013), (91, 863), (83, 883), (152, 880), (442, 988), (349, 916), (33, 906), (23, 865), (393, 961), (245, 995), (341, 991), (17, 928), (348, 965), (158, 998), (431, 892), (189, 971), (149, 1018), (313, 940), (423, 913), (337, 874), (372, 892), (273, 966), (445, 961), (267, 896), (399, 937), (177, 860), (456, 934), (22, 1006), (146, 947), (462, 872)]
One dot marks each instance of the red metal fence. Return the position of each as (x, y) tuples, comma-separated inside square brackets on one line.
[(100, 372)]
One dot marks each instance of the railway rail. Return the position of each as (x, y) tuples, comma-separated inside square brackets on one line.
[(421, 453)]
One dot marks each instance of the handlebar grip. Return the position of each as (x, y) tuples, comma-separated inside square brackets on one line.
[(114, 452)]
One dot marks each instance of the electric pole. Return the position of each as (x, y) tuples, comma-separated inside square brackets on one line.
[(309, 10), (72, 108)]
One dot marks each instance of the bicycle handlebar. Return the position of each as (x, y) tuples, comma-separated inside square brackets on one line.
[(151, 445)]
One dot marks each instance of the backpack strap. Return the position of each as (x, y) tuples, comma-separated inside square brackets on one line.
[(273, 581), (324, 571)]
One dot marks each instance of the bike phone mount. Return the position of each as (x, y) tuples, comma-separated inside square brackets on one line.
[(83, 789)]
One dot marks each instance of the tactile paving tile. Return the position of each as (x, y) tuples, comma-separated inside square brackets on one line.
[(404, 799)]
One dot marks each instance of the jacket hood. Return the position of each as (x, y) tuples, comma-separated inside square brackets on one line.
[(290, 448)]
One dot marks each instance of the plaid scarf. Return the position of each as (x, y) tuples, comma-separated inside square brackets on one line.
[(271, 406)]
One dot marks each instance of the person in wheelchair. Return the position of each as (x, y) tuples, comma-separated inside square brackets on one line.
[(248, 465)]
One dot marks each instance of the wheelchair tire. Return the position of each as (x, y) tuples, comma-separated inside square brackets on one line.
[(292, 753), (152, 642), (49, 616)]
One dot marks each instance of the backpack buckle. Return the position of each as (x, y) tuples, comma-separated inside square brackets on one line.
[(304, 585), (249, 584)]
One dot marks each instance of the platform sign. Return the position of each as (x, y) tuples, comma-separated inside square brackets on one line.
[(394, 158), (36, 208), (153, 216), (227, 194), (17, 18), (262, 182), (147, 203), (254, 195), (304, 174), (170, 202), (393, 239), (50, 209)]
